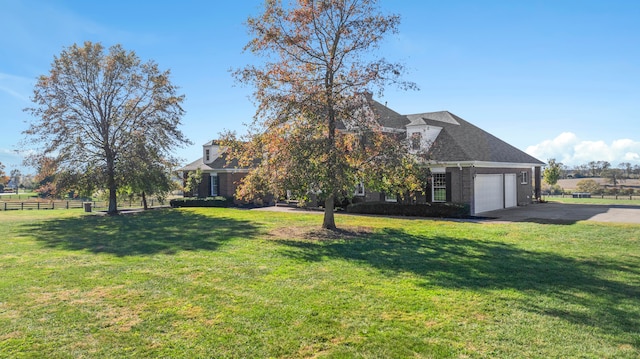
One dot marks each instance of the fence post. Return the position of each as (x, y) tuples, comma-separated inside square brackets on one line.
[(67, 204), (22, 206)]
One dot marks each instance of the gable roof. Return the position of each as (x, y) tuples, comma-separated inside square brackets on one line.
[(387, 117), (460, 140), (219, 164)]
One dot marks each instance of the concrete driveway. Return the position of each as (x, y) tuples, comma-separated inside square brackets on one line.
[(564, 213)]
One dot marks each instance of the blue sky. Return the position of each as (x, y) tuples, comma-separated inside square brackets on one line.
[(558, 79)]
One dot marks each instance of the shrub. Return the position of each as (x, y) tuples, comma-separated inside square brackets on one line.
[(553, 190), (201, 202), (588, 185), (441, 210)]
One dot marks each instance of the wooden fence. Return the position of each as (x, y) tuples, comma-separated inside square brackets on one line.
[(598, 196), (36, 205)]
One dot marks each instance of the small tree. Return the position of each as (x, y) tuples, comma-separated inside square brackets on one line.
[(613, 175), (147, 173), (552, 172), (194, 178), (14, 179), (93, 105), (45, 176), (626, 168), (317, 67), (588, 185), (3, 178)]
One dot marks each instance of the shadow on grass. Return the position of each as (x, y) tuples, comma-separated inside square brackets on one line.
[(552, 285), (159, 231)]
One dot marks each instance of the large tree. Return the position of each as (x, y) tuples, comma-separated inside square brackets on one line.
[(314, 132), (94, 104)]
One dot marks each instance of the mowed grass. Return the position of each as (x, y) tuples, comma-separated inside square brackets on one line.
[(228, 283), (607, 200)]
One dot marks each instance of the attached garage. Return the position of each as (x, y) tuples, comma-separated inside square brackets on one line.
[(495, 191), (510, 190), (488, 192)]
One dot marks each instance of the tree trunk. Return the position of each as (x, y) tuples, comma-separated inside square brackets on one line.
[(113, 200), (111, 183), (144, 201), (329, 221)]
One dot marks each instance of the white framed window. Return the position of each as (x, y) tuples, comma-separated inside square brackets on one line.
[(359, 189), (439, 187), (524, 177), (390, 197), (214, 185), (416, 141)]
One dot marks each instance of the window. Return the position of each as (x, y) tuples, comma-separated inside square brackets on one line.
[(359, 189), (206, 155), (524, 177), (390, 197), (215, 185), (439, 187), (416, 141)]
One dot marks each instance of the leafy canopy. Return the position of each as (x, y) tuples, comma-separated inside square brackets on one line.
[(314, 133), (94, 106)]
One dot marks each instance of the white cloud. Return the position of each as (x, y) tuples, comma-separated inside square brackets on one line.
[(570, 150)]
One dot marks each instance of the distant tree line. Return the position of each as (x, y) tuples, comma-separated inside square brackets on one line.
[(615, 177), (623, 170), (14, 180)]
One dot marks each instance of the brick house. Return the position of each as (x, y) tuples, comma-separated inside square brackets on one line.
[(467, 164), (218, 178)]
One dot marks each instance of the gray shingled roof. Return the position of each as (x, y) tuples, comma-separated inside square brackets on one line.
[(220, 162), (388, 117), (459, 140)]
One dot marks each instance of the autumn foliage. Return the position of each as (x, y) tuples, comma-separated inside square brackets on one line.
[(105, 120), (314, 133)]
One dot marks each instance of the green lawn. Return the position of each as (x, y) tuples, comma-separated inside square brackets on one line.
[(222, 283), (607, 200)]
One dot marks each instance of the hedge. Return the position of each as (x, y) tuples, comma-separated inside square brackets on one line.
[(440, 210), (201, 202)]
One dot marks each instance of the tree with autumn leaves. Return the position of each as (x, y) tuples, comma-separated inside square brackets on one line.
[(314, 132), (3, 177), (104, 119)]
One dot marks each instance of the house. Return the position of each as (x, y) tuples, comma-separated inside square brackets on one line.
[(467, 164), (218, 177)]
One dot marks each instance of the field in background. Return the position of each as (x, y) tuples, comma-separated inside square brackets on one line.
[(570, 184)]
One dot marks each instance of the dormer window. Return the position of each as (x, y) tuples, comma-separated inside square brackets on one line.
[(207, 155), (416, 141)]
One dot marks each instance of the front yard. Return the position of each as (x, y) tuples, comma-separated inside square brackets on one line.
[(250, 284)]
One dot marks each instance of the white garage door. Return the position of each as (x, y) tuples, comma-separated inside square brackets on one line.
[(510, 190), (488, 192)]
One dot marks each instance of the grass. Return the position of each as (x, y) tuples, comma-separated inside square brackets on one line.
[(234, 283), (607, 200)]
